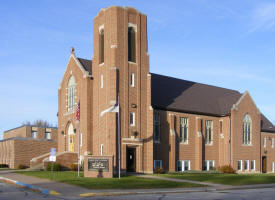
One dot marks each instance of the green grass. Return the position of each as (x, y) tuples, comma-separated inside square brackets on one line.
[(227, 179), (126, 182)]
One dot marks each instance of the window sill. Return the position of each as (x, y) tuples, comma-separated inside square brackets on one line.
[(247, 145), (69, 112), (209, 144), (131, 62), (101, 64), (184, 143)]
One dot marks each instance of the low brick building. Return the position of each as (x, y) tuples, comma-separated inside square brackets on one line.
[(165, 122), (21, 144)]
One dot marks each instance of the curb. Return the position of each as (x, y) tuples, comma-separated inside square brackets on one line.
[(140, 193), (28, 186)]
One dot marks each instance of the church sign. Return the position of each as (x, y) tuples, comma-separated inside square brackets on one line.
[(98, 164)]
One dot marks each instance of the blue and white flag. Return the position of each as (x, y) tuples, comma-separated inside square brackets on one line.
[(114, 108)]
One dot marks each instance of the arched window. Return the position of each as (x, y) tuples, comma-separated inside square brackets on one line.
[(70, 129), (247, 129), (71, 94), (131, 44), (101, 46)]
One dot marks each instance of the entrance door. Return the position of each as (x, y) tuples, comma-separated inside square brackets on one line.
[(264, 164), (71, 143), (131, 159)]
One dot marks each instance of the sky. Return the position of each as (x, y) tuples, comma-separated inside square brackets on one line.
[(229, 44)]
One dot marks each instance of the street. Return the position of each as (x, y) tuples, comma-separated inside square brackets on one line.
[(8, 191)]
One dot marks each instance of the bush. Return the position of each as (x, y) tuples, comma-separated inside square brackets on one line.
[(159, 171), (227, 169), (56, 167), (73, 167), (21, 166), (4, 166), (212, 168)]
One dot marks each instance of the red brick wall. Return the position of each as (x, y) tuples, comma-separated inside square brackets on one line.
[(268, 151), (17, 132), (239, 150), (115, 21), (83, 90)]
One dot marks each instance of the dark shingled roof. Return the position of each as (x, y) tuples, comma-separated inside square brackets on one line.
[(266, 125), (87, 64), (186, 96)]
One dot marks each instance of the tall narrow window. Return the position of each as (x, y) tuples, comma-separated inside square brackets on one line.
[(184, 129), (253, 165), (132, 80), (264, 142), (156, 127), (183, 165), (101, 149), (34, 134), (131, 44), (208, 165), (220, 126), (240, 165), (132, 118), (101, 46), (101, 81), (208, 131), (247, 130), (71, 94), (246, 165), (272, 143), (47, 135)]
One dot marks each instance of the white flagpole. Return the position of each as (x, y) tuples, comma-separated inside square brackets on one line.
[(118, 136), (78, 164)]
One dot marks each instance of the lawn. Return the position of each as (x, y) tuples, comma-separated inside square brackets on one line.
[(126, 182), (227, 179)]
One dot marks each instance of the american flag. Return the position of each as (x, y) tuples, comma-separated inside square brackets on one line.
[(77, 111)]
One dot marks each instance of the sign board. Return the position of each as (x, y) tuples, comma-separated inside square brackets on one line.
[(98, 164), (53, 152), (52, 158), (52, 155)]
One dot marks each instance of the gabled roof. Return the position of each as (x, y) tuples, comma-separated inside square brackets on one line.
[(266, 125), (186, 96), (87, 64)]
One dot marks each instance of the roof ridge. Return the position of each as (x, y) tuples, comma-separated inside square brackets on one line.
[(196, 82)]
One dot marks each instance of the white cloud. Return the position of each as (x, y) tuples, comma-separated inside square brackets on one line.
[(263, 17)]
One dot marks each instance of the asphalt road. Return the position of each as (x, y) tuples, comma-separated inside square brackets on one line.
[(10, 192)]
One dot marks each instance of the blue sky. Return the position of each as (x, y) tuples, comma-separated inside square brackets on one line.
[(225, 43)]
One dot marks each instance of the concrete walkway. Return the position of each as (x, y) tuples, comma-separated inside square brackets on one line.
[(185, 181)]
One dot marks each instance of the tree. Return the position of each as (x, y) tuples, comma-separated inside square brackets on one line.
[(39, 123)]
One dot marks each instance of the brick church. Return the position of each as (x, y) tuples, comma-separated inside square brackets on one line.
[(165, 122)]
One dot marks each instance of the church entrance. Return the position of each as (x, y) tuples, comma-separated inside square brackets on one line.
[(131, 159), (71, 143), (264, 164), (71, 138)]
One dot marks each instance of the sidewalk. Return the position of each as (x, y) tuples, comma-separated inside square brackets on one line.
[(67, 190)]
